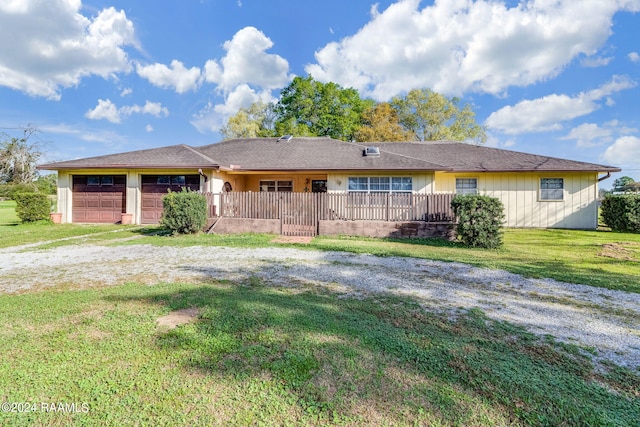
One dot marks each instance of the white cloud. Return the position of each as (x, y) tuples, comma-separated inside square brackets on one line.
[(589, 135), (148, 128), (126, 91), (548, 113), (634, 57), (625, 151), (49, 45), (176, 77), (107, 110), (213, 117), (596, 61), (246, 62), (246, 74), (457, 46)]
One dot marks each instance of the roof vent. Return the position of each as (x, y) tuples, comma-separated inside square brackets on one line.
[(371, 152), (286, 138)]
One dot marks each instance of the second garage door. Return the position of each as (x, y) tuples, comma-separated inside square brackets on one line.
[(154, 187)]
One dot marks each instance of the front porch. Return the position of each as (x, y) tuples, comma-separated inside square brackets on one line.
[(310, 214)]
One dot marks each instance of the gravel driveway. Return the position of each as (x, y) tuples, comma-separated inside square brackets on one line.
[(608, 321)]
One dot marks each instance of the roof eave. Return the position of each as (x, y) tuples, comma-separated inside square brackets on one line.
[(53, 166)]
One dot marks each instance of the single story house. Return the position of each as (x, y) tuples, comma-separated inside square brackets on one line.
[(537, 191)]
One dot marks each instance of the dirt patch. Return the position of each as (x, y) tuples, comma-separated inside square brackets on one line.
[(617, 251), (293, 239), (177, 318)]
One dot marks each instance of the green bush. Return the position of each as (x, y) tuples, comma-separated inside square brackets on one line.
[(480, 220), (10, 190), (31, 207), (621, 212), (184, 212)]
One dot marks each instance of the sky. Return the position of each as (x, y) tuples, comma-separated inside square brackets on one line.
[(558, 78)]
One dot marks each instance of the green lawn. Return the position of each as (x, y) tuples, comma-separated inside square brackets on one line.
[(8, 212), (270, 355), (260, 354)]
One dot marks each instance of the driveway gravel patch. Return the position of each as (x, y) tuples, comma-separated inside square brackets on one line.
[(605, 320)]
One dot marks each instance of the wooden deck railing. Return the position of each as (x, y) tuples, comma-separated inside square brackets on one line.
[(333, 206)]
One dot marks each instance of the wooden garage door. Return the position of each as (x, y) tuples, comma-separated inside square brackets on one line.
[(99, 198), (154, 187)]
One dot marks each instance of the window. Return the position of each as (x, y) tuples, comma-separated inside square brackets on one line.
[(178, 180), (380, 184), (106, 180), (466, 186), (276, 186), (319, 186), (95, 180), (551, 189)]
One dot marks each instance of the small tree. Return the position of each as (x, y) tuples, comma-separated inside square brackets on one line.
[(31, 207), (184, 212), (480, 220)]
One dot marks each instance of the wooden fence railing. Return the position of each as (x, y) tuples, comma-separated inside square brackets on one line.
[(311, 207)]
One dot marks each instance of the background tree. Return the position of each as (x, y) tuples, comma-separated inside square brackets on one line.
[(431, 116), (311, 108), (381, 123), (621, 184), (256, 121), (19, 157)]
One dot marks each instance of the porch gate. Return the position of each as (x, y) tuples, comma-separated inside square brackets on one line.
[(299, 214)]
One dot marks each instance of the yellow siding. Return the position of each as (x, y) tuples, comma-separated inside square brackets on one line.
[(519, 192)]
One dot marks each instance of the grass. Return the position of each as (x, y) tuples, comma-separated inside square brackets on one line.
[(8, 212), (270, 355)]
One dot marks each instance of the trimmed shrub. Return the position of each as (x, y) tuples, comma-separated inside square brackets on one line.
[(184, 212), (480, 220), (621, 212), (31, 207)]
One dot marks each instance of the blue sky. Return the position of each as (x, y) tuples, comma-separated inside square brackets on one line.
[(553, 77)]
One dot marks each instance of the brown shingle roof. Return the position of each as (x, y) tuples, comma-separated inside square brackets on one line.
[(462, 157), (172, 157), (326, 154), (301, 153)]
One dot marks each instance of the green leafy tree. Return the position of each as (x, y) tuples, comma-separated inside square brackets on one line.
[(311, 108), (622, 184), (47, 184), (255, 121), (381, 123), (431, 116), (18, 157)]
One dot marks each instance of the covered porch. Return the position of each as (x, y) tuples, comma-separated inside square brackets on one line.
[(310, 214)]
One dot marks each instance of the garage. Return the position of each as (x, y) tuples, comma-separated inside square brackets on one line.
[(99, 198), (154, 187)]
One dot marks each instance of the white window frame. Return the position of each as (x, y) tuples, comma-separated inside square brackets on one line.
[(399, 186), (464, 190), (554, 194)]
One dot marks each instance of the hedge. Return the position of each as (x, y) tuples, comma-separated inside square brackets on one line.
[(31, 207), (621, 212)]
